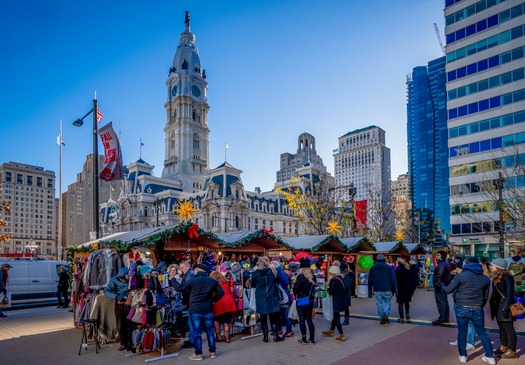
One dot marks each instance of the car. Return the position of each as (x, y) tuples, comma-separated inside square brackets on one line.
[(33, 282)]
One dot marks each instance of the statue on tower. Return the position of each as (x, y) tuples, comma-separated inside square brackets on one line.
[(187, 20)]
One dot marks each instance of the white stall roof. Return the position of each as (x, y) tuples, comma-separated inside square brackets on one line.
[(385, 246), (130, 236), (230, 237), (304, 242)]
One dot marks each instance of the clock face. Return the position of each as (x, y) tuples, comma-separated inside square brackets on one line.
[(195, 91), (174, 91)]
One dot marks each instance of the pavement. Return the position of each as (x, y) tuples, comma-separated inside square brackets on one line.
[(46, 335)]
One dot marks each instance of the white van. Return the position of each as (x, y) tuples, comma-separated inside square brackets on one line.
[(33, 281)]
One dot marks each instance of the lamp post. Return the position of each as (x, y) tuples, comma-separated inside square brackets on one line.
[(501, 243), (78, 123)]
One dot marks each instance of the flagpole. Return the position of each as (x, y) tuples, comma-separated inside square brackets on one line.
[(60, 221), (95, 168), (225, 149)]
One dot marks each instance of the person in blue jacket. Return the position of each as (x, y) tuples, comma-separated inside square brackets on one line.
[(118, 289)]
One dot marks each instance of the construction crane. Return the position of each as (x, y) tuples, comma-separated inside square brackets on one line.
[(439, 39)]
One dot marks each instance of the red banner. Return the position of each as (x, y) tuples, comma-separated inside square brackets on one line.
[(112, 169), (360, 215)]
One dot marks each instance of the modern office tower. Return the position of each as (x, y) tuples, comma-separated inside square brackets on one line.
[(30, 190), (306, 154), (77, 204), (362, 161), (427, 146), (486, 122)]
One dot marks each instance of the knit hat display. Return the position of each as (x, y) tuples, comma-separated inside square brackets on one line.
[(334, 270), (499, 263)]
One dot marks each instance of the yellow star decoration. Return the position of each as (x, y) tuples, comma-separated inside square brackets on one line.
[(334, 227), (185, 210), (400, 236)]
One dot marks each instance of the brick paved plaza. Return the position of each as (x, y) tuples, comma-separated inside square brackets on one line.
[(47, 336)]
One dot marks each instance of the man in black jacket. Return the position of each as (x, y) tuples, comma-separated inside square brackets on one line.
[(470, 290), (442, 276), (382, 284), (203, 292), (62, 287)]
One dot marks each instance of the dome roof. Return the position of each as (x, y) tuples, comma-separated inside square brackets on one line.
[(186, 60)]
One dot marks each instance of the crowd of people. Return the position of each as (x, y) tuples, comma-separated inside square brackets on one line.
[(204, 297), (205, 292)]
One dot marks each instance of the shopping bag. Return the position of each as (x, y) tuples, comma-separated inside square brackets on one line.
[(292, 312), (5, 300), (328, 310), (251, 293)]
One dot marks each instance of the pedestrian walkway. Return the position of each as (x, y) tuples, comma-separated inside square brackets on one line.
[(47, 336)]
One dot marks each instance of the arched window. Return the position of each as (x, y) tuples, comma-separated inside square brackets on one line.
[(196, 141), (172, 141)]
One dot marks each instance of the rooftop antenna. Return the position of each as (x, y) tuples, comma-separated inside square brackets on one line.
[(439, 39)]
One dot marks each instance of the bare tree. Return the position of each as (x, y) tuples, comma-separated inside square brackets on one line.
[(380, 217), (4, 237), (318, 204)]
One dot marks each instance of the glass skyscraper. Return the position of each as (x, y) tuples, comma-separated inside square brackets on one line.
[(427, 148)]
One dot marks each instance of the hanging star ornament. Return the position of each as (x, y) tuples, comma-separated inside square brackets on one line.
[(400, 236), (334, 227), (185, 210)]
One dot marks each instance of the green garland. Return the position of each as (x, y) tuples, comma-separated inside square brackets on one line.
[(257, 234), (328, 239), (122, 247)]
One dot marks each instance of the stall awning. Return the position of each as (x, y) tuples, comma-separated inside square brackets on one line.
[(129, 237), (415, 248), (253, 238), (322, 243), (357, 244), (390, 248)]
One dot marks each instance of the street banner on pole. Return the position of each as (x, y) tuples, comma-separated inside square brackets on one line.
[(112, 169)]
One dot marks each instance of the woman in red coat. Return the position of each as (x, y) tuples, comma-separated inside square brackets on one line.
[(224, 309)]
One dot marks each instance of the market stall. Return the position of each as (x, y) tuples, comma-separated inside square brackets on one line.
[(252, 242), (355, 246)]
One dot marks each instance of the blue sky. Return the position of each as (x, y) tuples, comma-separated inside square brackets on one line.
[(275, 68)]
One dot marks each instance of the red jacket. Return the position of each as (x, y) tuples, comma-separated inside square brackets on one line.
[(226, 303)]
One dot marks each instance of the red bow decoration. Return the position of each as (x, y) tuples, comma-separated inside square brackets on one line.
[(269, 232), (192, 231)]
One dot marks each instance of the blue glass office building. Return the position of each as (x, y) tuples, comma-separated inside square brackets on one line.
[(427, 142)]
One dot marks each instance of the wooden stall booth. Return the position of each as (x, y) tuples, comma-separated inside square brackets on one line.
[(236, 245), (415, 249), (185, 241), (355, 246), (329, 246), (391, 250)]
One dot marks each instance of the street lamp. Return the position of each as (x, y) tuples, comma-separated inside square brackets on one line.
[(78, 123)]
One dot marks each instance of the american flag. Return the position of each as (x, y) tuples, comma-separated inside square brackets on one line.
[(99, 115)]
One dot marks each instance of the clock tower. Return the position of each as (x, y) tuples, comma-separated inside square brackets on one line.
[(186, 143)]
